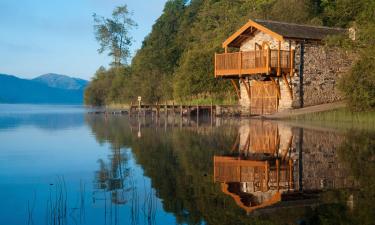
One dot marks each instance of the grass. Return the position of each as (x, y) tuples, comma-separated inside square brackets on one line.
[(208, 101), (340, 118)]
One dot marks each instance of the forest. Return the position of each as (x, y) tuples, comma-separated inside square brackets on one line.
[(175, 62)]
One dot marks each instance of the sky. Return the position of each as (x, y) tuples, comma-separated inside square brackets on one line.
[(56, 36)]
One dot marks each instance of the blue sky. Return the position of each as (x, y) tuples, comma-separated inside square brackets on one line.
[(43, 36)]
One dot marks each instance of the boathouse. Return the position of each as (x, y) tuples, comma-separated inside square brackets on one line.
[(277, 66)]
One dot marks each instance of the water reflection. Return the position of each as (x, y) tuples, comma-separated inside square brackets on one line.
[(257, 166), (120, 170), (46, 117), (272, 163)]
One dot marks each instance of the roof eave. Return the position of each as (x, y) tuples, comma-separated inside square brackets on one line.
[(256, 25)]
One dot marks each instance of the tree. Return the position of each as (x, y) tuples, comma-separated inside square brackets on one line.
[(113, 34)]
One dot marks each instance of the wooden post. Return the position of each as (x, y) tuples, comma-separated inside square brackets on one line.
[(139, 107), (157, 109), (267, 174), (279, 59), (255, 55), (215, 64), (277, 174), (289, 87), (290, 53), (166, 109), (197, 110), (290, 173), (240, 63), (173, 108), (181, 112), (197, 115), (268, 63), (236, 88)]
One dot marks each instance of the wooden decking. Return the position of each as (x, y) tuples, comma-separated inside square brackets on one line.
[(253, 62)]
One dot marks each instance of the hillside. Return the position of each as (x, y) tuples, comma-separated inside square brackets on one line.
[(61, 81), (17, 90)]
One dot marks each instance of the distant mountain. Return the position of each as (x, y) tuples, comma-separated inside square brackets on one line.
[(61, 81), (40, 91)]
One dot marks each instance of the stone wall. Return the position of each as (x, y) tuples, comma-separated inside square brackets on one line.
[(261, 37), (244, 101), (323, 67)]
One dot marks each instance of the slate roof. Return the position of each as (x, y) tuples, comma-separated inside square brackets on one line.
[(298, 31), (281, 31)]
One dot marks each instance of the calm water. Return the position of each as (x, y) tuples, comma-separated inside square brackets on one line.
[(61, 165)]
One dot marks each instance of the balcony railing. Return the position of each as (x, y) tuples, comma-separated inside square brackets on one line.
[(254, 62)]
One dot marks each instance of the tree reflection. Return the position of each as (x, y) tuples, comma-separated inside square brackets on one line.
[(179, 160), (113, 177)]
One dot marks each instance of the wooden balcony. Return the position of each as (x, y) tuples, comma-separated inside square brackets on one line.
[(254, 62)]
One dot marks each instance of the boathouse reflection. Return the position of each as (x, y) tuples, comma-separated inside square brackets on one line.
[(267, 165)]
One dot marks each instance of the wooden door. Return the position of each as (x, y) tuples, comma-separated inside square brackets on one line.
[(264, 98)]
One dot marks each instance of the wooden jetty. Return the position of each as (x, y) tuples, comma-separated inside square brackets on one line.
[(184, 110), (173, 110)]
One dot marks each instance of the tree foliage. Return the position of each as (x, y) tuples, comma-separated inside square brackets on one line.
[(113, 34)]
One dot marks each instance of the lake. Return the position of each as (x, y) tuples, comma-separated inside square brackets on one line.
[(62, 165)]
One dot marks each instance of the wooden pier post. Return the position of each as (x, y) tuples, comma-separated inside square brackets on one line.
[(197, 115), (211, 109), (131, 108), (166, 109), (181, 112), (157, 110), (197, 110)]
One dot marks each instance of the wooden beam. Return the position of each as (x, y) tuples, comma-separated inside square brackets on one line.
[(246, 87), (290, 173), (236, 142), (287, 84), (236, 88), (277, 86), (247, 144), (234, 72), (288, 147)]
